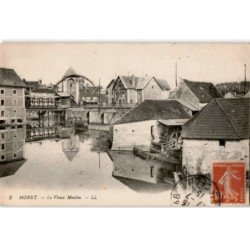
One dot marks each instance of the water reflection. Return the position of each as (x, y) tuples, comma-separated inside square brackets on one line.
[(11, 150), (81, 160), (140, 175), (70, 147)]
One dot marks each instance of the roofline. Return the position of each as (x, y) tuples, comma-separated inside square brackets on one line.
[(12, 86), (77, 75), (122, 80), (148, 100), (203, 82), (186, 104), (227, 118), (159, 84), (110, 83), (147, 84), (195, 116), (215, 139), (201, 111), (145, 120), (183, 81)]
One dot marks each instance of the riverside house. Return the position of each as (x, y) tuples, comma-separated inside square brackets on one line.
[(197, 94), (219, 132), (130, 90), (12, 120), (149, 122)]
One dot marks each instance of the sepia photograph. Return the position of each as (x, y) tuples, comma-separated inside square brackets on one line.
[(124, 124)]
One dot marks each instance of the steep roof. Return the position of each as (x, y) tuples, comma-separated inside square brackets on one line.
[(135, 82), (204, 91), (186, 104), (9, 78), (220, 119), (155, 110), (163, 84), (130, 82), (111, 83), (70, 71)]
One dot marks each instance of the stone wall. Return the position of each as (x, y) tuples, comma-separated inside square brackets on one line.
[(199, 155), (128, 135)]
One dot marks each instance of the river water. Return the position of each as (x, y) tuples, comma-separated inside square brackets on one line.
[(78, 164)]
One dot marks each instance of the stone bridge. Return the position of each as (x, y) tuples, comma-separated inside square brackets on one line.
[(96, 114)]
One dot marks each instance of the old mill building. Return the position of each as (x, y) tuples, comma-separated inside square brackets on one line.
[(219, 132), (145, 123), (130, 90)]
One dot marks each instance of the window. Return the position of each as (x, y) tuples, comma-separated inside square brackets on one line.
[(2, 92), (2, 102), (2, 113), (2, 136), (14, 102), (14, 135), (152, 133), (15, 155), (15, 145), (12, 121), (2, 147), (2, 157), (152, 171), (14, 92), (14, 112), (222, 143)]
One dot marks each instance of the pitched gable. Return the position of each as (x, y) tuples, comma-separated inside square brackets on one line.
[(204, 91), (154, 110), (9, 78), (220, 119)]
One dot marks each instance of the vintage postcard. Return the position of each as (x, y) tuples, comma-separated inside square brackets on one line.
[(124, 124)]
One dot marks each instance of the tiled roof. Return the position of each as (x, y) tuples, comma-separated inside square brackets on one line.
[(163, 84), (32, 84), (155, 110), (111, 83), (204, 91), (9, 78), (134, 82), (188, 105), (220, 119)]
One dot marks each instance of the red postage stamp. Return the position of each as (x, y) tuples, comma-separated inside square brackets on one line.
[(230, 180)]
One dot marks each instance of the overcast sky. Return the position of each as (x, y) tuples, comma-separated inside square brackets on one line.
[(199, 62)]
